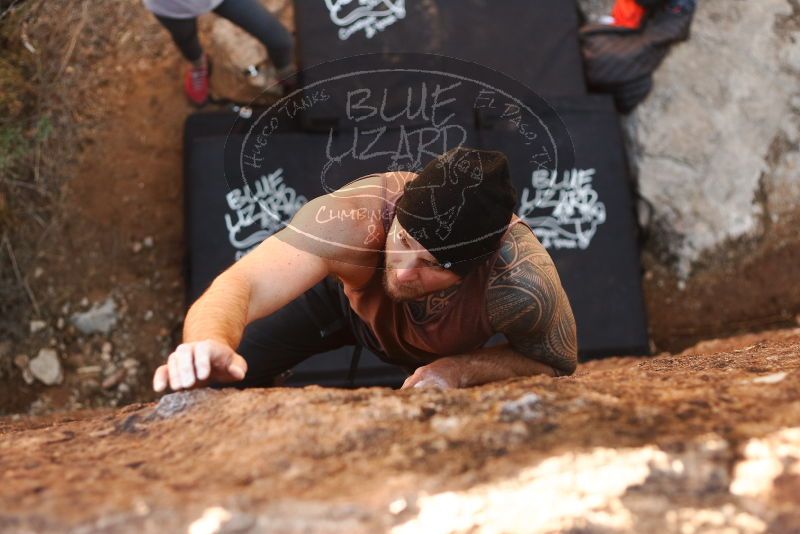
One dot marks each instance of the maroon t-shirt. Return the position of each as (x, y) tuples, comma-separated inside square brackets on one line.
[(458, 324)]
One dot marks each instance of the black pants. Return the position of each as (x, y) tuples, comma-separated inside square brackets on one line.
[(316, 322), (249, 15)]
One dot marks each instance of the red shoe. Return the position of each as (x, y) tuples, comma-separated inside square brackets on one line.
[(628, 14), (195, 83)]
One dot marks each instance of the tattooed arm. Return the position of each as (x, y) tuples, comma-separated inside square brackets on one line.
[(526, 303)]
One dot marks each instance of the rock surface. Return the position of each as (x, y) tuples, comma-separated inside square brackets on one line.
[(715, 149), (715, 146), (697, 442)]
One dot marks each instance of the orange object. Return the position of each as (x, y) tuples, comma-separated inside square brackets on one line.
[(627, 13)]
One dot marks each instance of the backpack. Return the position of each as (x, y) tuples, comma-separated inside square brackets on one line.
[(621, 61)]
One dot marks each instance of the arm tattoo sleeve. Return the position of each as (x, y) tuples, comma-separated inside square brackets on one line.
[(527, 303)]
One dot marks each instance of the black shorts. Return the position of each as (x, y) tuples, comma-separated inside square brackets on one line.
[(318, 321)]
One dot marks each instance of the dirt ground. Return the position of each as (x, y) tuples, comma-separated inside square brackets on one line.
[(633, 440), (115, 228), (123, 185)]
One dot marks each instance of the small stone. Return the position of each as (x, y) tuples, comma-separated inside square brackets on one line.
[(65, 308), (212, 520), (175, 403), (46, 367), (136, 247), (60, 323), (38, 272), (89, 369), (397, 506), (774, 378), (446, 425), (526, 408), (130, 363), (148, 242), (21, 361), (27, 376), (36, 325), (106, 348), (84, 302), (148, 315), (114, 379), (124, 388), (101, 318), (105, 356)]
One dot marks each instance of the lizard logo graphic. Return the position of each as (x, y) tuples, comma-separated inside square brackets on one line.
[(259, 211), (564, 212), (371, 16), (392, 119)]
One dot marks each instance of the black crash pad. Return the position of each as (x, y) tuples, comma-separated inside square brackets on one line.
[(579, 204), (533, 41)]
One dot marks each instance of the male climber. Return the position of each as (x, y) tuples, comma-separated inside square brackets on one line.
[(422, 269)]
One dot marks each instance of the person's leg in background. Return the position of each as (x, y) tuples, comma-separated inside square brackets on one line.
[(254, 18), (195, 79)]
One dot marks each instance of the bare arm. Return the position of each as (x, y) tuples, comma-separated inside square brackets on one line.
[(276, 272), (260, 283), (526, 303)]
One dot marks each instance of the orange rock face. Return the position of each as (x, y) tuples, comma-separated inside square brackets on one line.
[(692, 442)]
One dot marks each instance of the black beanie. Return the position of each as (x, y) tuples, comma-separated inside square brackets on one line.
[(459, 206)]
